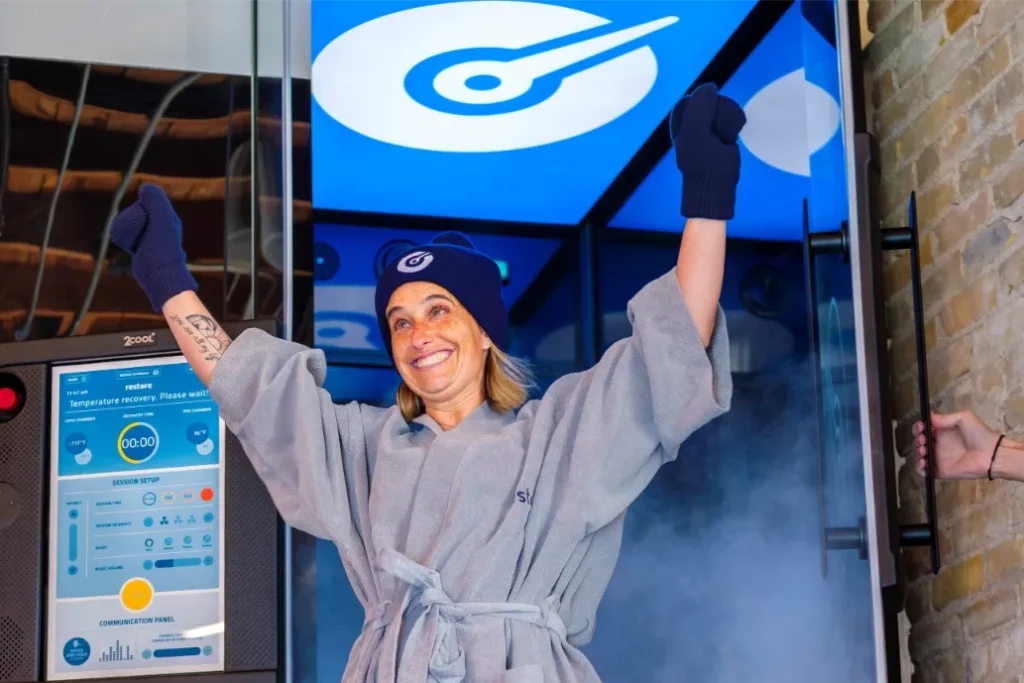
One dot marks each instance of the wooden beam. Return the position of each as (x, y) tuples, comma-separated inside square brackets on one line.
[(29, 101), (29, 180)]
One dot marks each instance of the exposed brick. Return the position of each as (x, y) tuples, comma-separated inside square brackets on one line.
[(897, 310), (896, 189), (878, 10), (982, 527), (959, 12), (952, 666), (911, 486), (918, 51), (991, 612), (952, 364), (973, 79), (1000, 149), (977, 665), (1011, 273), (944, 281), (991, 379), (928, 8), (983, 113), (930, 125), (919, 601), (899, 107), (952, 495), (926, 247), (1006, 655), (1017, 503), (983, 162), (1017, 32), (931, 335), (928, 163), (963, 221), (931, 204), (1005, 559), (997, 335), (905, 396), (994, 61), (941, 69), (995, 17), (904, 367), (890, 154), (893, 34), (972, 305), (897, 273), (1014, 410), (986, 246), (974, 170), (883, 87), (933, 635), (957, 134), (958, 581), (1009, 88), (1006, 191)]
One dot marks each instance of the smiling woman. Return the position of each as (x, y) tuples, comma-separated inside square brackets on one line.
[(443, 321), (443, 354), (479, 530)]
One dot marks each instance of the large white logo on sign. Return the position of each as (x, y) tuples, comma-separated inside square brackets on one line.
[(499, 95), (789, 120)]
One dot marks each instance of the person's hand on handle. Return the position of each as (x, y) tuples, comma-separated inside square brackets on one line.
[(962, 446), (150, 231), (705, 127)]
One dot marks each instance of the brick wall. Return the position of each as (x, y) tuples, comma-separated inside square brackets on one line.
[(946, 84)]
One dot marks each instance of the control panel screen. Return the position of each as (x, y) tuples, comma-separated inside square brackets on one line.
[(136, 558)]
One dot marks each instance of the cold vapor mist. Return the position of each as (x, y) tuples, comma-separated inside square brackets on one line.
[(720, 575)]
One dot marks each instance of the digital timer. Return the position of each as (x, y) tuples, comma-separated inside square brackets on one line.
[(138, 442)]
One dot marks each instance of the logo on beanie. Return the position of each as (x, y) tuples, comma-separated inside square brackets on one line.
[(415, 262), (494, 76)]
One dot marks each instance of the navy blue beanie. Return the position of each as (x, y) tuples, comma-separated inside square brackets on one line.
[(450, 261)]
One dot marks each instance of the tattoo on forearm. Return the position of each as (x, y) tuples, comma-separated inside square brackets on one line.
[(206, 333)]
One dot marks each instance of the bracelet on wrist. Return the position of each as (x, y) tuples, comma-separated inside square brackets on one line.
[(994, 451)]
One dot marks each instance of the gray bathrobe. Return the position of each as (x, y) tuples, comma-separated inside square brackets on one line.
[(480, 554)]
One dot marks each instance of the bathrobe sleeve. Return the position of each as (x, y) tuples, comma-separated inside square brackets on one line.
[(307, 450), (621, 420)]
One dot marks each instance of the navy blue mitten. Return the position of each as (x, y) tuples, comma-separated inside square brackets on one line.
[(705, 127), (150, 231)]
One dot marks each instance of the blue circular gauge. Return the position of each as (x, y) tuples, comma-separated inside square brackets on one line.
[(138, 442), (76, 651), (76, 443), (197, 433)]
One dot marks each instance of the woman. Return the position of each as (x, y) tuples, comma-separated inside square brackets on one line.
[(478, 538)]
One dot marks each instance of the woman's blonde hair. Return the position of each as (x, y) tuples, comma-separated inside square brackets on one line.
[(507, 384)]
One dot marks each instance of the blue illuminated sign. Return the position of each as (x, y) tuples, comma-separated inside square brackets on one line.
[(792, 122), (497, 110)]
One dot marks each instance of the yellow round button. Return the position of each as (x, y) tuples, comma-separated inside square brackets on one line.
[(136, 595)]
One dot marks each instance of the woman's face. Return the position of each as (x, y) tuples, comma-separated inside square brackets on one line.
[(438, 346)]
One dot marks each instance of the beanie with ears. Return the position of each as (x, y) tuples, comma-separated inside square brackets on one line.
[(450, 261)]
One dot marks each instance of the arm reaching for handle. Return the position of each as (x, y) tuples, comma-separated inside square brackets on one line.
[(199, 337)]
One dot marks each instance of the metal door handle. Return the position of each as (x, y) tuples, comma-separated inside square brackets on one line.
[(837, 242)]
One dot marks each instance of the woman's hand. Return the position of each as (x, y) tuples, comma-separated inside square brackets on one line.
[(150, 231), (705, 127), (963, 446)]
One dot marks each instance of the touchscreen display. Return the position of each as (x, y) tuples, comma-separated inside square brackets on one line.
[(136, 560)]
